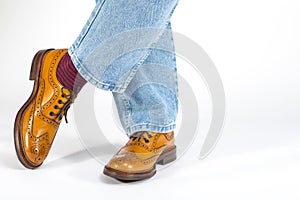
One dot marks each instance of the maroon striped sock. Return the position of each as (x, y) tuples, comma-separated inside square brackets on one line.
[(68, 75)]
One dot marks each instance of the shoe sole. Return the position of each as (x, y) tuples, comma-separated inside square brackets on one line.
[(34, 76), (165, 158)]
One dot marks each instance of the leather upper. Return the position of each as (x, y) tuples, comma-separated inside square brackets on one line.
[(140, 154), (43, 116)]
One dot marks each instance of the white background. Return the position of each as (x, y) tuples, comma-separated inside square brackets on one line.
[(255, 46)]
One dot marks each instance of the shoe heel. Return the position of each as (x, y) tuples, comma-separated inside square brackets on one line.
[(167, 157), (36, 64)]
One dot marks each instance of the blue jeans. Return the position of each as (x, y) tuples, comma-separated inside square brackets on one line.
[(127, 48)]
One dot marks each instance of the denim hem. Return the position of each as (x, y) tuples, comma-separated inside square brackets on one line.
[(89, 77), (150, 127)]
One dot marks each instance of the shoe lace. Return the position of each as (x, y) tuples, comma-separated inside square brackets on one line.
[(141, 135), (63, 106)]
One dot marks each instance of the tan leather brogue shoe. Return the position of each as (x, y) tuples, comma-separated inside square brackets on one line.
[(137, 159), (37, 121)]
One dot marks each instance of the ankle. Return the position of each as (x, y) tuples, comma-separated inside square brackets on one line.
[(68, 75)]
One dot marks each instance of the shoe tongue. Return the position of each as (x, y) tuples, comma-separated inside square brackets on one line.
[(142, 136), (136, 134)]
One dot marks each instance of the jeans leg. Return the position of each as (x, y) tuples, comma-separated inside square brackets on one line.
[(150, 102), (117, 38)]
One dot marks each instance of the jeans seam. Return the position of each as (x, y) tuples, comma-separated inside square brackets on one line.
[(150, 127), (142, 60), (79, 41), (127, 110)]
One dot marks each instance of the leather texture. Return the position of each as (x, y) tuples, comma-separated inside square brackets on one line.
[(39, 119), (140, 155)]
